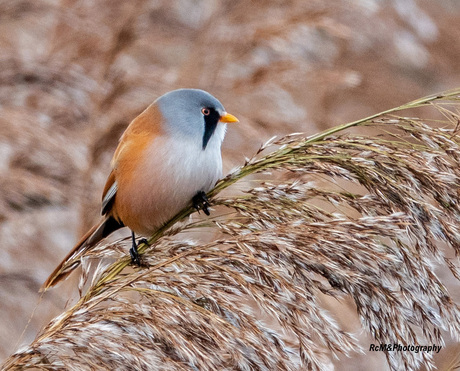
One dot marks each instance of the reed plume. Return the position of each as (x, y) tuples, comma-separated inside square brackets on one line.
[(363, 217)]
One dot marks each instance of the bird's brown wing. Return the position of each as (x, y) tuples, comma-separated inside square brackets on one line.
[(133, 141)]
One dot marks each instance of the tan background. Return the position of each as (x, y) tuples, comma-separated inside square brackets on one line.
[(74, 73)]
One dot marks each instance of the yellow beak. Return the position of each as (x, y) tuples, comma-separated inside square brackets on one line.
[(228, 118)]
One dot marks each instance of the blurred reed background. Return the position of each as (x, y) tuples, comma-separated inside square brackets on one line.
[(74, 73)]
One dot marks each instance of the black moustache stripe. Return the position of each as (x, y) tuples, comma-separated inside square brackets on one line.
[(210, 124)]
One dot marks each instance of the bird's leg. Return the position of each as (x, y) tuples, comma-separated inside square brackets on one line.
[(200, 202), (135, 258)]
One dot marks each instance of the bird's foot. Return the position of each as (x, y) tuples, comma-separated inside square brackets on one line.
[(200, 202), (135, 257), (144, 241)]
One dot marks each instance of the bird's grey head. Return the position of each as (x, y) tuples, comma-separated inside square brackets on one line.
[(191, 114)]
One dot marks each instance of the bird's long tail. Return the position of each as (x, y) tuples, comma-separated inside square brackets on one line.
[(73, 259)]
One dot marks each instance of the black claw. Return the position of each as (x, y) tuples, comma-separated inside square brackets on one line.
[(206, 210), (200, 202), (135, 257), (143, 241)]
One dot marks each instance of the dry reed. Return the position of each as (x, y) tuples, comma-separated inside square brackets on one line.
[(249, 300)]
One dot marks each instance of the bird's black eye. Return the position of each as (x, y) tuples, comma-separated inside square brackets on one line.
[(206, 111)]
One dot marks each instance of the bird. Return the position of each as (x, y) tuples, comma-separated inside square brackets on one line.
[(168, 158)]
